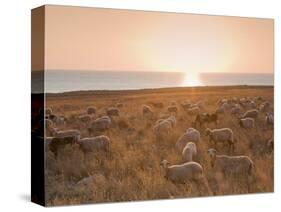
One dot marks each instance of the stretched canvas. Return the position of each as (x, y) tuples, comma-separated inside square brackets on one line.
[(138, 105)]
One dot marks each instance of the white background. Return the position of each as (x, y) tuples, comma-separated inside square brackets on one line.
[(15, 103)]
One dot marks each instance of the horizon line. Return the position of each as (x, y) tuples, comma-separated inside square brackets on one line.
[(164, 88), (150, 71)]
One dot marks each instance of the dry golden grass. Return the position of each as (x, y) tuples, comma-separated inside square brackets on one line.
[(131, 169)]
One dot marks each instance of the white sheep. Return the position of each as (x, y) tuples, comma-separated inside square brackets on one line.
[(234, 100), (61, 120), (112, 111), (159, 121), (235, 109), (91, 110), (220, 110), (98, 143), (242, 100), (193, 110), (47, 142), (270, 144), (265, 106), (200, 104), (186, 105), (189, 172), (249, 104), (173, 120), (62, 138), (189, 151), (247, 123), (66, 133), (183, 173), (57, 120), (146, 110), (100, 124), (262, 108), (191, 135), (223, 135), (84, 118), (231, 164), (162, 128), (48, 111), (172, 109), (269, 119), (226, 106), (49, 123), (203, 118), (252, 105), (222, 101), (258, 98), (251, 114)]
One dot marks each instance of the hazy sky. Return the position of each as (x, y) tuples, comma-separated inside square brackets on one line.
[(104, 39)]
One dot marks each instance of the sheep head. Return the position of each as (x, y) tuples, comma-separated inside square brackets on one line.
[(164, 167), (207, 132), (212, 153), (164, 163), (53, 131), (240, 123)]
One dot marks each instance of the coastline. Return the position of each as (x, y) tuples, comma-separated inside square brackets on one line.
[(158, 90)]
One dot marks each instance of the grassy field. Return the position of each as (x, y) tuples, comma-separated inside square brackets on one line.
[(131, 170)]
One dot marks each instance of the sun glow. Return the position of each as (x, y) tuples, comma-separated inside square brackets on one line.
[(191, 80)]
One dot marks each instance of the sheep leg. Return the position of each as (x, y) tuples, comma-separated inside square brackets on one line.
[(201, 123), (197, 186), (248, 184), (107, 151), (230, 147), (202, 182), (89, 131), (251, 180), (56, 153)]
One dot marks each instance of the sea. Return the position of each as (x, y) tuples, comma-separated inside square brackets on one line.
[(65, 81)]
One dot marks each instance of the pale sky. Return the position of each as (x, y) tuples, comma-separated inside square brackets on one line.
[(78, 38)]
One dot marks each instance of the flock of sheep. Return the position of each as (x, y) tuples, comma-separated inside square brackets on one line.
[(186, 144), (245, 110)]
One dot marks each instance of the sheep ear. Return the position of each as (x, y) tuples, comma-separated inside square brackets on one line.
[(214, 152)]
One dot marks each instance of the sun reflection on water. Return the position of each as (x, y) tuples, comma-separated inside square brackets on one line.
[(191, 80)]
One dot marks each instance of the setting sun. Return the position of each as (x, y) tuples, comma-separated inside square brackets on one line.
[(191, 80)]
